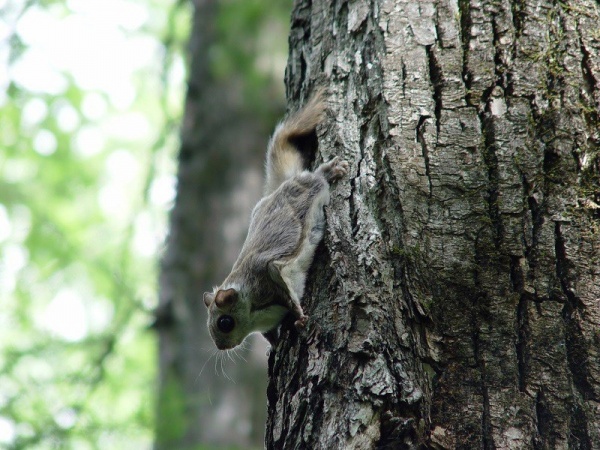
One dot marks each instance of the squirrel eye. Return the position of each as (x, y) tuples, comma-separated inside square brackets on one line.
[(225, 323)]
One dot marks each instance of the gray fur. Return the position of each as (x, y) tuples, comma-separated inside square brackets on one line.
[(285, 228)]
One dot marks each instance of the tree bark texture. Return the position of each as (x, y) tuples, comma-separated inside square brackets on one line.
[(219, 180), (455, 301)]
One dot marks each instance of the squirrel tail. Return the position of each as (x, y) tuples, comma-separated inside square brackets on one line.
[(292, 145)]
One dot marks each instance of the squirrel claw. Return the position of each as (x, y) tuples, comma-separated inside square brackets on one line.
[(301, 322), (340, 169), (335, 169)]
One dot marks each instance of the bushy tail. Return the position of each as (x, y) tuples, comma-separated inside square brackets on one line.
[(292, 140)]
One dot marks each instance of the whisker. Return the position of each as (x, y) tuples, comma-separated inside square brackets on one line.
[(239, 354), (229, 355), (214, 352), (210, 348), (222, 361), (223, 367)]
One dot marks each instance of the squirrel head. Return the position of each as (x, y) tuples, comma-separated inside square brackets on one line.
[(231, 319), (227, 319)]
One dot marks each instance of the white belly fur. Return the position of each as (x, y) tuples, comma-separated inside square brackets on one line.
[(294, 271)]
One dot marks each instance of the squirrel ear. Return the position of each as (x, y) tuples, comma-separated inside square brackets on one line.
[(208, 298), (226, 298)]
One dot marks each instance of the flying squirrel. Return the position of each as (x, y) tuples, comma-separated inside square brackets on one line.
[(268, 278)]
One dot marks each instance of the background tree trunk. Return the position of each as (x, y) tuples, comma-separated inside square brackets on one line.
[(455, 302), (203, 398)]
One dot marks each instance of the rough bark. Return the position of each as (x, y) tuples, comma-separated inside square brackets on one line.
[(219, 180), (455, 301)]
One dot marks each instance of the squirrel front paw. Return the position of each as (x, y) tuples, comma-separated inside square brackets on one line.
[(335, 169), (300, 323)]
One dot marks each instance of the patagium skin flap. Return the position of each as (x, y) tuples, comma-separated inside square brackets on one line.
[(267, 280)]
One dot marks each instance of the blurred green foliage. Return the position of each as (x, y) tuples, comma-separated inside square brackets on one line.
[(87, 177)]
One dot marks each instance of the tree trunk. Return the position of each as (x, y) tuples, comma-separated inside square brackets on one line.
[(455, 301)]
